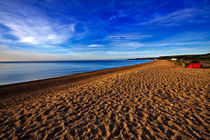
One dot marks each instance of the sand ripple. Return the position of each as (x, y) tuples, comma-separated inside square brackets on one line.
[(155, 101)]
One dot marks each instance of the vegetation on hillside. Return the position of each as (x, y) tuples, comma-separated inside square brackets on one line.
[(185, 60), (200, 57)]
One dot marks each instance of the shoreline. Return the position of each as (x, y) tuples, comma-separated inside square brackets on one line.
[(36, 85)]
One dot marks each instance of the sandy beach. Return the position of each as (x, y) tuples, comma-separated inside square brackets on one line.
[(157, 100)]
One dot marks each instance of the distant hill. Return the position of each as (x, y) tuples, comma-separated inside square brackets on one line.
[(147, 58), (204, 57), (187, 57)]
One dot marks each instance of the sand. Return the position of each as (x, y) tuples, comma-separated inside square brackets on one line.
[(155, 101)]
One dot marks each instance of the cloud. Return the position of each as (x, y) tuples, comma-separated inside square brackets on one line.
[(125, 45), (8, 54), (179, 44), (120, 53), (81, 30), (157, 52), (189, 37), (119, 14), (95, 45), (127, 36), (29, 25), (188, 15), (125, 41), (184, 39)]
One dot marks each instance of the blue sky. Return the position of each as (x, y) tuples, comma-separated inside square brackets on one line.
[(102, 29)]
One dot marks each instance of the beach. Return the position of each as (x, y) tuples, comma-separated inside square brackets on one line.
[(155, 100)]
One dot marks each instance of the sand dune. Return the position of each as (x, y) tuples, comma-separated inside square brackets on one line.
[(154, 101)]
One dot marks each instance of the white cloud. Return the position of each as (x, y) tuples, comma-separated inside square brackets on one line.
[(8, 54), (31, 26), (179, 44), (184, 39), (29, 39), (120, 53), (158, 52), (127, 36), (118, 15), (95, 45), (126, 45), (180, 16)]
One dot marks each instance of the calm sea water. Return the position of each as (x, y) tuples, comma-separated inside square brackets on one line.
[(16, 72)]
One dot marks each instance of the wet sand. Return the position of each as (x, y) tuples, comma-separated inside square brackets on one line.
[(155, 101)]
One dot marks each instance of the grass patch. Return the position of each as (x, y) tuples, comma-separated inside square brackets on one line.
[(180, 62)]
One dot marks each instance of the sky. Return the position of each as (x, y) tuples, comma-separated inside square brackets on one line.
[(102, 29)]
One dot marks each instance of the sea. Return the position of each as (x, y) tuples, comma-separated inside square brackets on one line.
[(17, 72)]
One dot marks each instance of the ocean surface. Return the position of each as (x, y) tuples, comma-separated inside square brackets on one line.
[(16, 72)]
